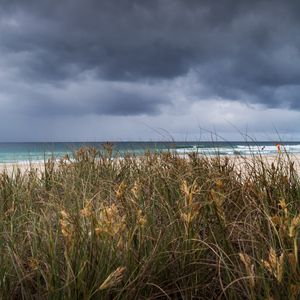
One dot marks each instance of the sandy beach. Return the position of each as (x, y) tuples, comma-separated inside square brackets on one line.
[(268, 159), (24, 167), (240, 161)]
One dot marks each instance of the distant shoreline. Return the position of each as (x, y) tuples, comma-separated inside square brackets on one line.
[(38, 152), (25, 166)]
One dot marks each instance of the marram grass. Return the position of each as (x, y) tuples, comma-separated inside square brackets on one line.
[(154, 227)]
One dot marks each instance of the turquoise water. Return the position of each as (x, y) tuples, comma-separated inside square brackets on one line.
[(19, 152)]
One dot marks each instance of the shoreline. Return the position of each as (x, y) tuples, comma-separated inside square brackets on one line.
[(24, 166)]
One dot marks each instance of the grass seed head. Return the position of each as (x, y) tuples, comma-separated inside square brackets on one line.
[(87, 210), (110, 221), (135, 190), (275, 264), (294, 226), (283, 206), (219, 183), (66, 226), (120, 190), (249, 266), (113, 279), (141, 219), (33, 263)]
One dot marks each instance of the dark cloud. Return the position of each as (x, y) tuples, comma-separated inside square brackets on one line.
[(240, 50), (114, 103), (85, 97)]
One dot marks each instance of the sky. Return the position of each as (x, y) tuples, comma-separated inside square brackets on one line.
[(87, 70)]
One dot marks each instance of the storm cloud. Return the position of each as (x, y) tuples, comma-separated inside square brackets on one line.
[(146, 58)]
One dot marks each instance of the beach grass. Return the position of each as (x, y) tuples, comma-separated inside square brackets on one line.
[(159, 226)]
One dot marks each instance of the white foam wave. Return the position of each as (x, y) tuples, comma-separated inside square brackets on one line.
[(240, 150)]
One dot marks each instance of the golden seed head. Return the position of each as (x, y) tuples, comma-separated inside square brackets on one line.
[(272, 257), (282, 204), (87, 210), (136, 189), (110, 221), (217, 198), (33, 263), (276, 220), (64, 214), (249, 266), (184, 188), (120, 190), (113, 279), (219, 183), (274, 264), (293, 226), (187, 217), (141, 219), (245, 259), (66, 226)]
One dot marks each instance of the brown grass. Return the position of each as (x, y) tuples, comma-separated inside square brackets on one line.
[(154, 227)]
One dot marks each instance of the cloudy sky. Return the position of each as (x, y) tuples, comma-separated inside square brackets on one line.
[(149, 69)]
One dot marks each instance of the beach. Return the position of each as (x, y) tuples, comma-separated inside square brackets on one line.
[(240, 162), (24, 167)]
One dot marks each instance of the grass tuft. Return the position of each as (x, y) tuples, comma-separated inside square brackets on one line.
[(158, 226)]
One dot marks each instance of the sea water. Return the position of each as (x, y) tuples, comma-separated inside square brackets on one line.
[(25, 152)]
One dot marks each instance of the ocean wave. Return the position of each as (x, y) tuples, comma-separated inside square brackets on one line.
[(239, 149), (20, 153)]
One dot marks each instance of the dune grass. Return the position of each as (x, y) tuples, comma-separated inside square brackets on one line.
[(154, 227)]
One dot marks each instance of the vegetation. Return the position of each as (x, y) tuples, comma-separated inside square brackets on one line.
[(154, 227)]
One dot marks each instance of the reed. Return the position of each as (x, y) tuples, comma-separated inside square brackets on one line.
[(158, 226)]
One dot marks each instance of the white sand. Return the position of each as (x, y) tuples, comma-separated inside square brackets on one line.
[(269, 159), (24, 167)]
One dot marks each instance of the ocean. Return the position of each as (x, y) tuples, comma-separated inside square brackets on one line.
[(25, 152)]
